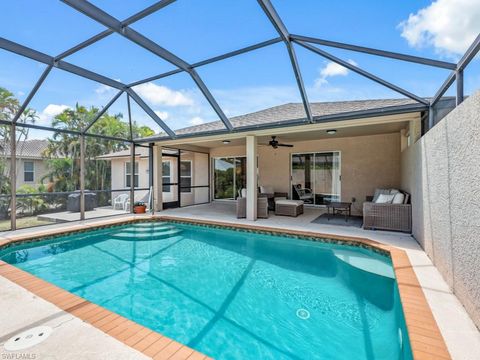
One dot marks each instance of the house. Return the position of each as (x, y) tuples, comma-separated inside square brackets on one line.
[(350, 149), (31, 165), (172, 190)]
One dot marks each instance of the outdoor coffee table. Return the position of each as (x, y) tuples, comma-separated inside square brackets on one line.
[(343, 207)]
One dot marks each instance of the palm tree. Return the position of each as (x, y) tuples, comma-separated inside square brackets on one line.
[(67, 146)]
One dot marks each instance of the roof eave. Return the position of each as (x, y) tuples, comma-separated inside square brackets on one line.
[(351, 115)]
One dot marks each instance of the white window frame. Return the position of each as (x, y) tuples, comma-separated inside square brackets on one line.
[(127, 175), (182, 191), (33, 171), (169, 175)]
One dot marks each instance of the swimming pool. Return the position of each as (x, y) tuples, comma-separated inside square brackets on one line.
[(232, 294)]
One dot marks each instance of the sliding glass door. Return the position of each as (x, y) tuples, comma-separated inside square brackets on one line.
[(316, 177), (229, 176)]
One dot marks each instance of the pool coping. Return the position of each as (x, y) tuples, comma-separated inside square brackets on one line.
[(425, 337)]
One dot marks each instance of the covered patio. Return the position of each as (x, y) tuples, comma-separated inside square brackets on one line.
[(337, 160)]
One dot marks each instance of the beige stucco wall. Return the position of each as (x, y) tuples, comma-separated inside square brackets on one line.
[(40, 170), (119, 179), (442, 172), (367, 162)]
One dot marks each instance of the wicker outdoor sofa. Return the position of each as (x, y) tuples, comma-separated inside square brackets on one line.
[(387, 216)]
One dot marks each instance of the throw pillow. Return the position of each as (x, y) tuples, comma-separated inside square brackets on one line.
[(398, 198), (385, 199), (378, 192)]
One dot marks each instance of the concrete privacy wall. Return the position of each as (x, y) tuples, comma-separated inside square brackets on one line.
[(367, 162), (442, 172)]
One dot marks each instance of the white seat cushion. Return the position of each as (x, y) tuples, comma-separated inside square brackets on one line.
[(266, 190), (289, 202)]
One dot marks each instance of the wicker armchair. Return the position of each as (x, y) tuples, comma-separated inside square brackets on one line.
[(396, 217), (262, 207)]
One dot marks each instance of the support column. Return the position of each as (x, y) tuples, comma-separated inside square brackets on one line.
[(157, 179), (13, 177), (82, 177), (132, 176), (150, 177), (459, 82), (251, 144)]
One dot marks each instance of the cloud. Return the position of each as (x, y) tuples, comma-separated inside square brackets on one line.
[(450, 26), (162, 114), (105, 89), (20, 93), (330, 70), (162, 95), (50, 111), (197, 120)]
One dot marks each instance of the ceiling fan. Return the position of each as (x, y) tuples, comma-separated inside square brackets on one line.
[(275, 144)]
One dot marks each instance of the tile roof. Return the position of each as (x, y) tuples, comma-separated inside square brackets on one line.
[(27, 149)]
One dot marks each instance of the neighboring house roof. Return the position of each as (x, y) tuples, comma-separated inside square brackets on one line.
[(139, 151), (295, 111), (28, 149)]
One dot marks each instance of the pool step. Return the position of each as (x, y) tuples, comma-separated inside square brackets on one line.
[(148, 224), (139, 230), (143, 236), (365, 262)]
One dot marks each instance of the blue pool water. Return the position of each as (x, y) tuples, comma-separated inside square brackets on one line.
[(232, 294)]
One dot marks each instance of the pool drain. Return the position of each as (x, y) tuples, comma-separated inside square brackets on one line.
[(28, 338), (303, 314)]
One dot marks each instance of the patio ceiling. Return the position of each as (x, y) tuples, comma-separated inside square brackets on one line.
[(180, 65)]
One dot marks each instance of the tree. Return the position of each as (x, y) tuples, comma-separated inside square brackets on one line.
[(9, 107), (64, 149)]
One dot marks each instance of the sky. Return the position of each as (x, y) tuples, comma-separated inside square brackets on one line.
[(196, 30)]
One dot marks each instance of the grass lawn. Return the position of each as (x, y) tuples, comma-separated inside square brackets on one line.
[(23, 222)]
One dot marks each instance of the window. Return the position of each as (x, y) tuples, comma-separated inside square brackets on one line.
[(229, 176), (186, 176), (28, 171), (166, 175), (128, 173)]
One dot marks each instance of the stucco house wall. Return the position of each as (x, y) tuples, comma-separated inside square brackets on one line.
[(367, 162), (40, 170), (199, 178), (442, 172), (119, 178)]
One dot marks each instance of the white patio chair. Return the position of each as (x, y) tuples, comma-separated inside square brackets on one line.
[(121, 200)]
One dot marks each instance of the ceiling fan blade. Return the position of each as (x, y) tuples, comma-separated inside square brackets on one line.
[(285, 145)]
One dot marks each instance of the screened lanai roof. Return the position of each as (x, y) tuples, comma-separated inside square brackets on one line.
[(136, 52)]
